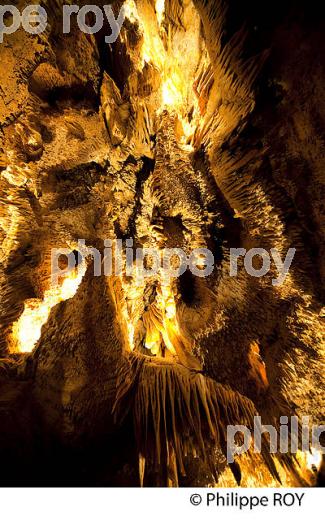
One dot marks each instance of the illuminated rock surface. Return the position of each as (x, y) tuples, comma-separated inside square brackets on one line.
[(201, 126)]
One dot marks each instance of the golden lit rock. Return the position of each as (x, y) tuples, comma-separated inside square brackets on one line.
[(199, 128)]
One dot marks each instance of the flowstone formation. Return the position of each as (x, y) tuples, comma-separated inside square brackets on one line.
[(200, 127)]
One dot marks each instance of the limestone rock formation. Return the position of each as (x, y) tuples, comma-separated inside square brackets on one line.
[(201, 127)]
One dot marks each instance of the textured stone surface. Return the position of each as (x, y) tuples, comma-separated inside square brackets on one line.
[(89, 150)]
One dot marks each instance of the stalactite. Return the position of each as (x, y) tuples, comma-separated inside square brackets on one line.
[(178, 411)]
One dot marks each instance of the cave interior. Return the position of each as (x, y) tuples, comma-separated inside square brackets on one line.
[(201, 126)]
